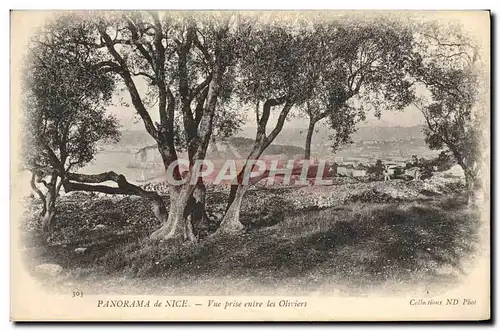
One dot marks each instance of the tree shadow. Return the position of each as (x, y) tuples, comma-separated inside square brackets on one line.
[(362, 244), (393, 241), (374, 244)]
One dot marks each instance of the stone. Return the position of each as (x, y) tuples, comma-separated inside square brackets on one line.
[(100, 227), (80, 250), (49, 269)]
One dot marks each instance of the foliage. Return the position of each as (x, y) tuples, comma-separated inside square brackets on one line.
[(447, 63), (64, 105), (277, 61), (362, 68), (377, 170), (444, 161)]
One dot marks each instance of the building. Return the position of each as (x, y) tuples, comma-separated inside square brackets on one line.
[(358, 173), (350, 171), (344, 170)]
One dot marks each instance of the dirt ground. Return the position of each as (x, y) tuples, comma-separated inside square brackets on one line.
[(349, 238)]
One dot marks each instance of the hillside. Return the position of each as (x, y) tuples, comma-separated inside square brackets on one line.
[(132, 140), (244, 146), (297, 136), (363, 238)]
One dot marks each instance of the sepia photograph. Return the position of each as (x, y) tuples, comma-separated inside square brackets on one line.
[(250, 165)]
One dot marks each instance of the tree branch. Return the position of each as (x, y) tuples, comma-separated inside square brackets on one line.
[(201, 86), (257, 114), (144, 74), (125, 74), (124, 187), (203, 49), (135, 40), (36, 189), (279, 124), (266, 111), (448, 44), (200, 105)]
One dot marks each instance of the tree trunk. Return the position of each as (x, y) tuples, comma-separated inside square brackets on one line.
[(47, 219), (196, 209), (310, 132), (158, 208), (49, 208), (232, 196), (472, 186), (471, 183), (231, 222), (178, 226)]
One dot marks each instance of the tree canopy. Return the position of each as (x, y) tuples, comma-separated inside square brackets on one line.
[(190, 75), (447, 64)]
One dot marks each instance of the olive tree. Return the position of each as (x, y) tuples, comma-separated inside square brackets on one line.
[(186, 62), (447, 64), (363, 67), (64, 115), (277, 71)]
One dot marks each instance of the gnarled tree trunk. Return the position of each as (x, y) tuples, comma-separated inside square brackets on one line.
[(472, 183), (47, 215), (197, 211), (49, 210), (187, 218), (178, 226), (230, 223)]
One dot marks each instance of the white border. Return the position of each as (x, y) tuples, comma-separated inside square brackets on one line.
[(184, 4)]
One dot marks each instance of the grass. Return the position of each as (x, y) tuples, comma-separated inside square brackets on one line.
[(384, 246)]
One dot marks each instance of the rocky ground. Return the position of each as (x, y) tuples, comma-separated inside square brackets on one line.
[(353, 232), (84, 217)]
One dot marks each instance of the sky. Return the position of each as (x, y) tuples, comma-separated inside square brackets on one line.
[(129, 119), (410, 116)]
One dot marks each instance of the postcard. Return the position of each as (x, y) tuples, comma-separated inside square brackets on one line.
[(250, 165)]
